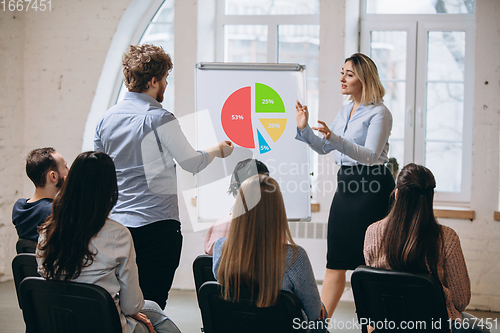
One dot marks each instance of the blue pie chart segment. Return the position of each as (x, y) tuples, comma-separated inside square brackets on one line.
[(263, 146)]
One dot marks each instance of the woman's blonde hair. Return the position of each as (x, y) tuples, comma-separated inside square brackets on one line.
[(365, 69), (254, 254)]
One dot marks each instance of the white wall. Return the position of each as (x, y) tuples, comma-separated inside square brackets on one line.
[(12, 36), (51, 64), (480, 238)]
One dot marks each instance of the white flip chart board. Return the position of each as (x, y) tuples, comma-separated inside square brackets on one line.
[(252, 105)]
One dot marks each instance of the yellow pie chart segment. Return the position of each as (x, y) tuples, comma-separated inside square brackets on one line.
[(274, 127)]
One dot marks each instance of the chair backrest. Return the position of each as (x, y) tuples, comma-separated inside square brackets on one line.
[(399, 300), (223, 316), (25, 246), (60, 307), (23, 265), (202, 270)]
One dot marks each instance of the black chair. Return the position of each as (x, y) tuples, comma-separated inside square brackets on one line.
[(395, 301), (23, 265), (223, 316), (202, 270), (60, 307), (25, 246)]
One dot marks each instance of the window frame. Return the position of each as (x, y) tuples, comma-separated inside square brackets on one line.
[(271, 21), (417, 27), (131, 27), (119, 89)]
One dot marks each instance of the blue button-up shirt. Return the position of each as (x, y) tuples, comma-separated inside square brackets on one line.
[(363, 139), (144, 160)]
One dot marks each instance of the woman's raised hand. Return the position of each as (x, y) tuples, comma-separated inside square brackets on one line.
[(302, 115), (323, 129)]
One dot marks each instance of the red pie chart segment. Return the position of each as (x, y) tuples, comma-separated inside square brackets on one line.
[(236, 118)]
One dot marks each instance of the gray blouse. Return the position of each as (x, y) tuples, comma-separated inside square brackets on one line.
[(363, 139), (113, 269)]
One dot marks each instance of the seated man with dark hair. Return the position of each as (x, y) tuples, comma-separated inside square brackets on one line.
[(47, 169)]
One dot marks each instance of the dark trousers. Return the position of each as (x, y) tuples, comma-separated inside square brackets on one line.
[(158, 249)]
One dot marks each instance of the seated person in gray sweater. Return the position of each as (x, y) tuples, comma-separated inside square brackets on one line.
[(47, 169), (259, 239)]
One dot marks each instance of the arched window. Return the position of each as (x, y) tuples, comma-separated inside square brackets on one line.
[(144, 21), (160, 32)]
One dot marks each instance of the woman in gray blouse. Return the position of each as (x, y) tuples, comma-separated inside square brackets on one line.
[(78, 242), (358, 138)]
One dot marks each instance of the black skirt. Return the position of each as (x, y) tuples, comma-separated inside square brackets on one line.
[(362, 198)]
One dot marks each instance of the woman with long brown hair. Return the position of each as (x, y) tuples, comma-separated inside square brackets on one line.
[(259, 252), (78, 242), (411, 239)]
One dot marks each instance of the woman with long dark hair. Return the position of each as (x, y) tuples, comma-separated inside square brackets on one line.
[(411, 239), (259, 252), (358, 138), (78, 242)]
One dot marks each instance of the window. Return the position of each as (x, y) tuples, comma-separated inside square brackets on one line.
[(272, 31), (425, 61), (143, 21), (271, 7), (420, 7)]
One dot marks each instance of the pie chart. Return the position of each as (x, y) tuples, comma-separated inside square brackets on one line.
[(237, 115)]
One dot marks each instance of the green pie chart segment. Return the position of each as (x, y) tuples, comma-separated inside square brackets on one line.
[(267, 100)]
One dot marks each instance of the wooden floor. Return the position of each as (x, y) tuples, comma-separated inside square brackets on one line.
[(183, 310)]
